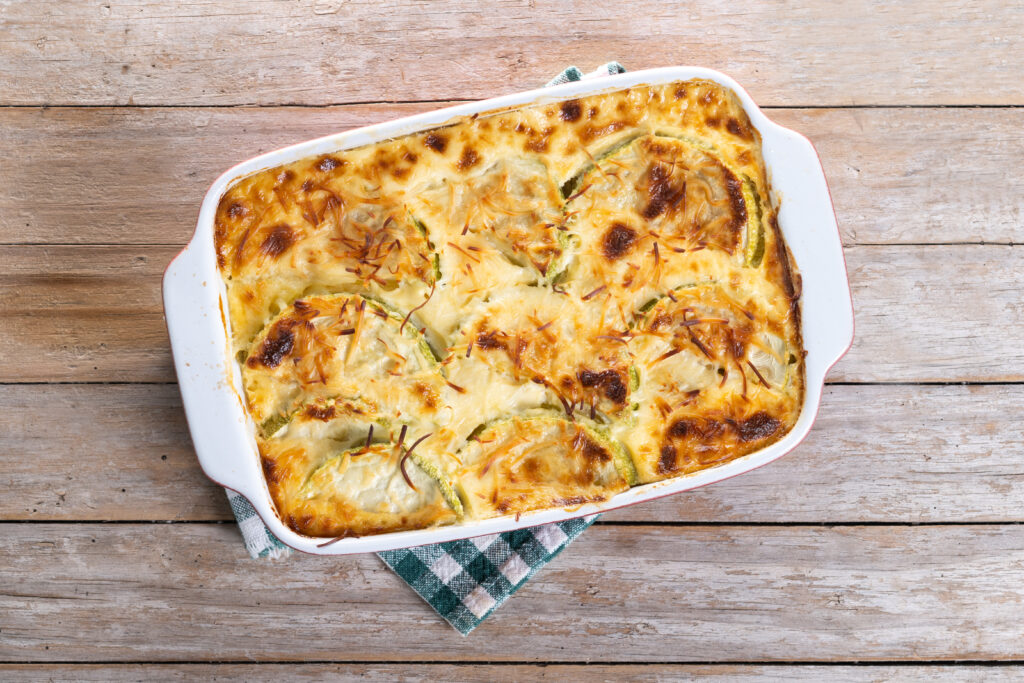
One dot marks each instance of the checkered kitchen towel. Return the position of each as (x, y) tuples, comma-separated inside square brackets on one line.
[(467, 580), (463, 580)]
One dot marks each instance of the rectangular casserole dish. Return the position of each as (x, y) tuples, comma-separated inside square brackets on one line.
[(210, 381)]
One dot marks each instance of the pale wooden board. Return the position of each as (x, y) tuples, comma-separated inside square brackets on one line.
[(329, 51), (158, 592), (935, 313), (130, 592), (924, 313), (83, 314), (876, 454), (137, 176), (497, 673)]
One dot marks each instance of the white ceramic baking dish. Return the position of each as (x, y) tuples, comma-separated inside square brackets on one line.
[(210, 380)]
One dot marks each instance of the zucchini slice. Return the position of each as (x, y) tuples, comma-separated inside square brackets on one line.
[(367, 488), (538, 461), (513, 205), (354, 410), (753, 250), (323, 347)]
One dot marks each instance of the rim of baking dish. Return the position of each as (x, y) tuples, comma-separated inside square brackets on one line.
[(210, 380)]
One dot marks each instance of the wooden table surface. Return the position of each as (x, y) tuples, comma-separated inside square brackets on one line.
[(889, 545)]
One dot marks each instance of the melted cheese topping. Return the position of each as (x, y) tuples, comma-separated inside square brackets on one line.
[(527, 309)]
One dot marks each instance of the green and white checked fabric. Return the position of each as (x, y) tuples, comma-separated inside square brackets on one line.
[(258, 539), (467, 580), (463, 580), (573, 73)]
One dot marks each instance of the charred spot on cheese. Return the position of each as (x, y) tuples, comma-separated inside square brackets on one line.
[(328, 163), (691, 427), (703, 439), (278, 343), (468, 159), (435, 141), (489, 340), (590, 449), (570, 110), (667, 459), (427, 394), (271, 470), (686, 433), (661, 192), (738, 129), (758, 426), (618, 241), (537, 307), (320, 412), (281, 237), (608, 381)]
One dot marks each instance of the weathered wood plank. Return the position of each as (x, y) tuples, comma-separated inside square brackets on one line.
[(101, 452), (936, 314), (931, 454), (497, 673), (145, 52), (137, 176), (880, 454), (924, 313), (83, 313), (188, 592)]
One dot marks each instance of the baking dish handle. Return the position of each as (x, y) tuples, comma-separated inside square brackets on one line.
[(209, 382)]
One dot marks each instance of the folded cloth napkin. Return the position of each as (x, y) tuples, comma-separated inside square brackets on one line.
[(463, 580)]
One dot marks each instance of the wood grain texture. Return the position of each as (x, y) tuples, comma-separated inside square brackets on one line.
[(497, 673), (626, 601), (154, 592), (935, 314), (83, 314), (924, 313), (329, 51), (932, 454), (138, 176)]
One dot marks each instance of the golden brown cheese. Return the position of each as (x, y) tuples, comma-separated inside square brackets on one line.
[(534, 462), (526, 309)]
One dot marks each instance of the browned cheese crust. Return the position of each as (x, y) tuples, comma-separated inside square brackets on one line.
[(524, 309)]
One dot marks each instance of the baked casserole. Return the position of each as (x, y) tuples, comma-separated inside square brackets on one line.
[(527, 309)]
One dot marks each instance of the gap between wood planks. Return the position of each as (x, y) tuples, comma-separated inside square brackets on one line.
[(904, 663)]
